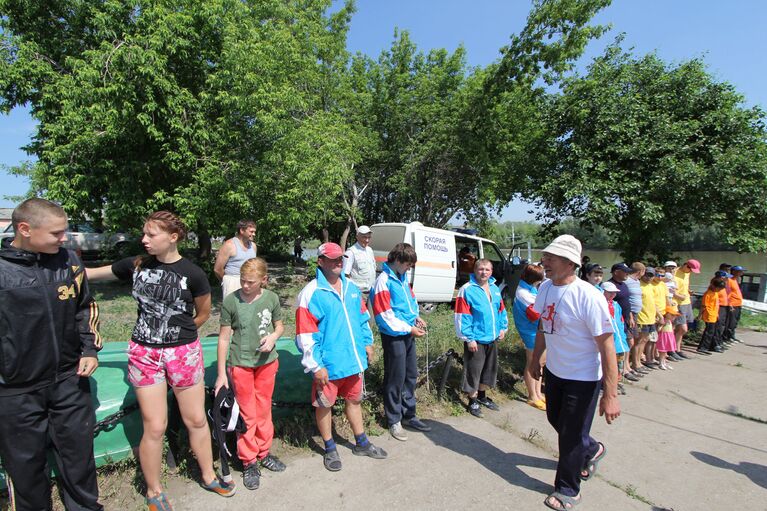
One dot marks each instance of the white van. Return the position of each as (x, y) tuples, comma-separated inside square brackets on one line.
[(445, 259)]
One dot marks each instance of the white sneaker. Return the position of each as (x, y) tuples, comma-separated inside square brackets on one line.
[(397, 432)]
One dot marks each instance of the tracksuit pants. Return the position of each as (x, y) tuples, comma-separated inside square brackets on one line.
[(708, 340), (721, 325), (62, 413), (400, 375), (253, 389), (732, 323), (570, 408)]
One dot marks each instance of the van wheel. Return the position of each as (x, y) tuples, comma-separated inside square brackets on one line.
[(427, 307)]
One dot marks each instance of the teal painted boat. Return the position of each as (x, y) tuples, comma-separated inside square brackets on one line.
[(112, 393)]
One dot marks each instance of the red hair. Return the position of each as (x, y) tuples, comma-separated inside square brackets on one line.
[(169, 223)]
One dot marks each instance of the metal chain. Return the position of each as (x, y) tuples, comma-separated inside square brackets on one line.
[(108, 423)]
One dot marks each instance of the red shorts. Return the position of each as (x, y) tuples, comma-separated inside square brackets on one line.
[(349, 388)]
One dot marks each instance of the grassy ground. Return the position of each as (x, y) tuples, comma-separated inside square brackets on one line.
[(121, 484)]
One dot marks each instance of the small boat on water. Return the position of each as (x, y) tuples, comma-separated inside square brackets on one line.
[(113, 396)]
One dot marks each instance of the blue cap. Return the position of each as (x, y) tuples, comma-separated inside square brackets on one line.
[(737, 268), (721, 273)]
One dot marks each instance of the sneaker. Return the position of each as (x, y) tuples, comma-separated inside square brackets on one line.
[(158, 503), (673, 356), (701, 351), (397, 432), (474, 408), (416, 424), (221, 487), (621, 389), (630, 377), (251, 476), (488, 403), (682, 355), (369, 450), (273, 463)]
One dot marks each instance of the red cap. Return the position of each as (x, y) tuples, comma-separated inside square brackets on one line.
[(330, 250), (694, 265)]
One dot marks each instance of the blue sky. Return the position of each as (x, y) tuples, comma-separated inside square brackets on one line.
[(725, 34)]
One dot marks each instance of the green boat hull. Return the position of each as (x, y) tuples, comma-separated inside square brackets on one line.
[(112, 392)]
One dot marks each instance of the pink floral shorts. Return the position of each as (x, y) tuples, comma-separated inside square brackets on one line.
[(180, 366)]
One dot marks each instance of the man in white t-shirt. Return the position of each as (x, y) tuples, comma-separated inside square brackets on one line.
[(360, 262), (576, 332)]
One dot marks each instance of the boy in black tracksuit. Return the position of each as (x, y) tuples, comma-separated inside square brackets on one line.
[(48, 343)]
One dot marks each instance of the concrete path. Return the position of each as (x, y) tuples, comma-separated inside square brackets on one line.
[(694, 438)]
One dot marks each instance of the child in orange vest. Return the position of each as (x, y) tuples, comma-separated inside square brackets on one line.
[(709, 313)]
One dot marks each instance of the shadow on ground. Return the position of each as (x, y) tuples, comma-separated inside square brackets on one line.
[(757, 473), (504, 464)]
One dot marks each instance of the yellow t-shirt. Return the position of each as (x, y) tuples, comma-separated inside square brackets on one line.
[(647, 315), (661, 296), (683, 286)]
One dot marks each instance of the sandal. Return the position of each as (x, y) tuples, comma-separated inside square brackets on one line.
[(565, 502), (332, 460), (158, 503), (591, 466), (540, 404)]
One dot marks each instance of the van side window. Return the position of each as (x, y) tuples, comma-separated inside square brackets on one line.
[(491, 252)]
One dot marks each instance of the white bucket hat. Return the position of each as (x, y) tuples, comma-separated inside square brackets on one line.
[(566, 246)]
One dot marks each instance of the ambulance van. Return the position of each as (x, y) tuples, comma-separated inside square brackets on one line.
[(445, 260)]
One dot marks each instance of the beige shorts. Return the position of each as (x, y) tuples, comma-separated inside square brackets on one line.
[(230, 284)]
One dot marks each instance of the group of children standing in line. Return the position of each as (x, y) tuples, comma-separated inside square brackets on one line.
[(660, 312)]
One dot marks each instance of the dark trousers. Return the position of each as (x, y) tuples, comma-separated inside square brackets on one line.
[(570, 407), (400, 375), (732, 323), (721, 325), (62, 413), (708, 339)]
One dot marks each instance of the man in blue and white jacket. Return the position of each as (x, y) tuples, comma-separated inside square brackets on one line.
[(480, 321), (333, 334), (396, 313)]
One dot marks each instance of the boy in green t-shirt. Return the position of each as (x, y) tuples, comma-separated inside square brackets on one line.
[(252, 320)]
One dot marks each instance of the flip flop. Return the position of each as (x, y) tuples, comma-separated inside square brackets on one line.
[(540, 404), (591, 466), (563, 500)]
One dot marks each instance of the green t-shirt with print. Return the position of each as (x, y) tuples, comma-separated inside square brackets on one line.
[(250, 323)]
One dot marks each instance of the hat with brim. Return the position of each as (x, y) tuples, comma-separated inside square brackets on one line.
[(609, 287), (330, 251), (363, 229), (737, 268), (672, 311), (693, 265), (566, 246), (622, 267), (670, 263), (649, 271)]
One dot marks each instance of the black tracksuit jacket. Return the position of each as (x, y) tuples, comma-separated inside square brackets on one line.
[(48, 318)]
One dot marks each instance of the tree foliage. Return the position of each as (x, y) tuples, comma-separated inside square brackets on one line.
[(212, 109), (644, 148)]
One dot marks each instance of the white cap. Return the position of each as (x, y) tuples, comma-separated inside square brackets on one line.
[(566, 246), (670, 263), (363, 229), (609, 287)]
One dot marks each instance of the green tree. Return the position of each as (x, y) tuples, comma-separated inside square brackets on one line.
[(644, 149), (199, 107)]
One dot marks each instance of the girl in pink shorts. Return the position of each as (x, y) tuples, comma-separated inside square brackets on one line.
[(173, 298)]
